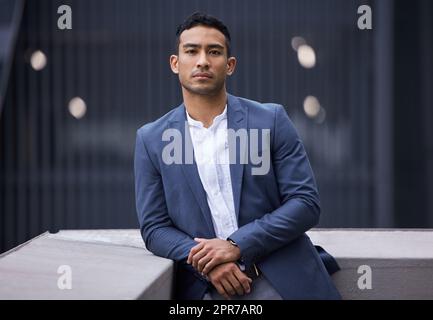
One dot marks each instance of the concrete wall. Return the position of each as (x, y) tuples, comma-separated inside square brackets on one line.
[(114, 264), (400, 261), (103, 265)]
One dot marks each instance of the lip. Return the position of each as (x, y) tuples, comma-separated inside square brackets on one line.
[(202, 75)]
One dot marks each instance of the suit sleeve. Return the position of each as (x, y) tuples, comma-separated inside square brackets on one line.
[(161, 237), (300, 208)]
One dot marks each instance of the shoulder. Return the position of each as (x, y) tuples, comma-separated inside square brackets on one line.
[(271, 116), (261, 107), (156, 127), (263, 112)]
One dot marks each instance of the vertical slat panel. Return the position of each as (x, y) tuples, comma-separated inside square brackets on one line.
[(62, 172)]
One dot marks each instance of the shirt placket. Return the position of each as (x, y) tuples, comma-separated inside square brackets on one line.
[(217, 194)]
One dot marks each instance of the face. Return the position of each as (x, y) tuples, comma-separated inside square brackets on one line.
[(202, 63)]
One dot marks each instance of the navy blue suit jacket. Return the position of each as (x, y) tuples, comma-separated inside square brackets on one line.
[(274, 210)]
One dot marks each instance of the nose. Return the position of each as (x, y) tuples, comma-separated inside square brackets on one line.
[(202, 61)]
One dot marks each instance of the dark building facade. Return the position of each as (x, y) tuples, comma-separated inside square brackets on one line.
[(73, 99)]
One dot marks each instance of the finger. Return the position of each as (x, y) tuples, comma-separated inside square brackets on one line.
[(193, 251), (211, 264), (196, 258), (202, 263), (236, 284), (200, 239), (221, 290), (244, 280), (228, 287), (196, 248)]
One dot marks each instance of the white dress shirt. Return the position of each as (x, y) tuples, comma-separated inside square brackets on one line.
[(211, 154)]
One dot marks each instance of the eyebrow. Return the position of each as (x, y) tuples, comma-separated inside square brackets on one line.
[(210, 46)]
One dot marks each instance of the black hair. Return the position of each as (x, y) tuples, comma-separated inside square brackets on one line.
[(203, 19)]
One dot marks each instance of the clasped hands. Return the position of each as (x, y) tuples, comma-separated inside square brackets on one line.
[(215, 258)]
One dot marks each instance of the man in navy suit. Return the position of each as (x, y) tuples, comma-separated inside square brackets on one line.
[(224, 186)]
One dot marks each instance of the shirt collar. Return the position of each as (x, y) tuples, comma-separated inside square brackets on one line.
[(199, 124)]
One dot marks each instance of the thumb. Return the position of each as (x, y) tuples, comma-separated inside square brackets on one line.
[(199, 239)]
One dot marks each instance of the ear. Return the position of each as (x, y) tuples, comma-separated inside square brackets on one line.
[(173, 63), (231, 65)]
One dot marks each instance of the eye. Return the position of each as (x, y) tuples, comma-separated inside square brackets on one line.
[(215, 52), (190, 51)]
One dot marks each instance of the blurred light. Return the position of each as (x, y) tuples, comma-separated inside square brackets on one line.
[(311, 106), (306, 56), (38, 60), (320, 118), (297, 42), (77, 107)]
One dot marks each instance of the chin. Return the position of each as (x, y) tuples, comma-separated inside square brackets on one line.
[(206, 90)]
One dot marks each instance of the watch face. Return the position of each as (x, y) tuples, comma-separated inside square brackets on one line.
[(233, 243)]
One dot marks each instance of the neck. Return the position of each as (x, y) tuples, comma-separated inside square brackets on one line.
[(204, 108)]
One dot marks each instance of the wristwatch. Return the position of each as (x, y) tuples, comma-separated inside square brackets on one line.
[(253, 271), (239, 263), (232, 242)]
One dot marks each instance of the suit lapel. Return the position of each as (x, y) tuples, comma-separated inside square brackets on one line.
[(190, 171), (237, 119)]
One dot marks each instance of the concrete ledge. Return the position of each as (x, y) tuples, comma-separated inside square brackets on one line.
[(114, 264), (101, 268), (400, 261)]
